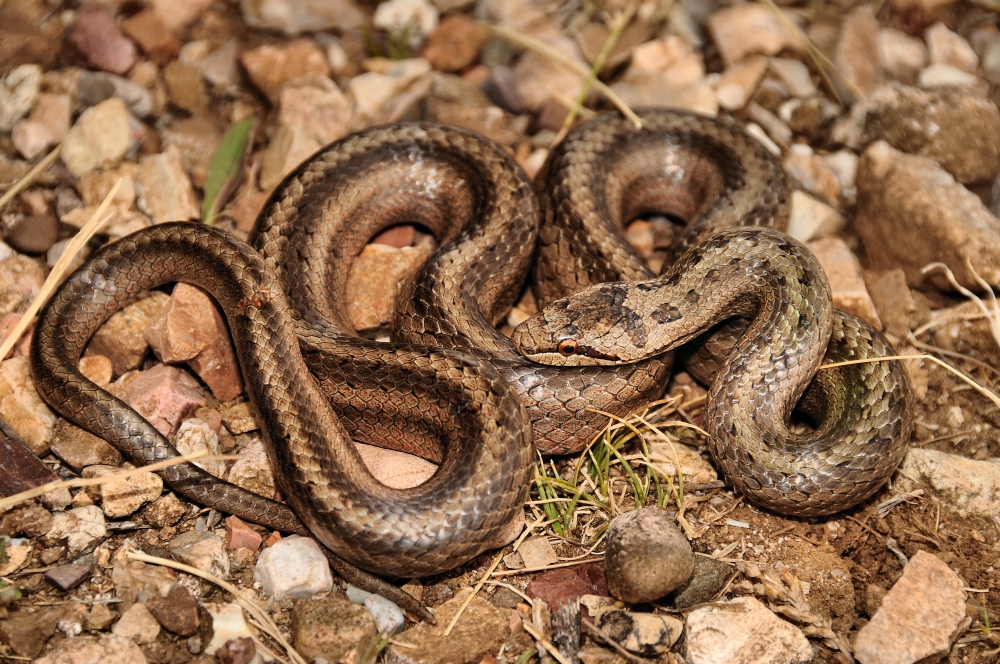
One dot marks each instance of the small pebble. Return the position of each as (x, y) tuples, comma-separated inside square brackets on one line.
[(647, 556)]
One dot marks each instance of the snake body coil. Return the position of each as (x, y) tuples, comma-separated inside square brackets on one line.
[(450, 387)]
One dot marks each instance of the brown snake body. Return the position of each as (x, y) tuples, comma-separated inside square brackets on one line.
[(467, 405)]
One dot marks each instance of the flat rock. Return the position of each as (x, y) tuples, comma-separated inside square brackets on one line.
[(18, 94), (812, 218), (79, 448), (738, 82), (911, 212), (97, 37), (745, 29), (558, 586), (220, 623), (67, 577), (23, 412), (846, 281), (28, 520), (240, 535), (967, 486), (481, 630), (123, 497), (294, 17), (165, 396), (270, 67), (121, 338), (455, 43), (27, 633), (744, 631), (375, 279), (47, 125), (947, 76), (642, 633), (206, 551), (959, 129), (177, 612), (164, 189), (80, 527), (920, 618), (147, 581), (100, 138), (137, 624), (331, 627), (856, 52), (293, 567), (647, 556), (707, 580), (902, 56), (252, 470), (108, 648)]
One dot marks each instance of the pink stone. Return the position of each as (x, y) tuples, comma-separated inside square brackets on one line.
[(397, 236), (191, 329), (240, 535), (7, 323), (558, 586), (165, 396), (97, 37), (846, 282)]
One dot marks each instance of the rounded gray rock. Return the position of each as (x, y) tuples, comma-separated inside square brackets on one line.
[(647, 556)]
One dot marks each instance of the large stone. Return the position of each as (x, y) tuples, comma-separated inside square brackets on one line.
[(101, 137), (293, 567), (912, 213), (23, 413), (122, 497), (121, 338), (297, 16), (744, 631), (165, 396), (968, 486), (331, 627), (375, 280), (80, 527), (959, 129), (920, 618), (164, 189), (647, 556), (846, 282), (481, 629)]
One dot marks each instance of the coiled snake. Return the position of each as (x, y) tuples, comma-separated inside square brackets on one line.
[(454, 390)]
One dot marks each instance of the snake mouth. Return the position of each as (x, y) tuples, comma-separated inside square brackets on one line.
[(581, 359)]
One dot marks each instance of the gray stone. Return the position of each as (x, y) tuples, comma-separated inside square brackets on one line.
[(330, 627), (18, 92), (67, 577), (707, 580), (293, 567), (647, 556), (744, 631)]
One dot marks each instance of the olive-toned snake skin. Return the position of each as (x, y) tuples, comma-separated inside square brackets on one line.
[(450, 387)]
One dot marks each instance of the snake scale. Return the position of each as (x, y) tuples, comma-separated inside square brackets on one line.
[(450, 387)]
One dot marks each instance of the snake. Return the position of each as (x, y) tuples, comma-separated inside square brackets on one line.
[(449, 386)]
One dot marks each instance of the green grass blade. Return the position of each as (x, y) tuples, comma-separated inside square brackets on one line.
[(225, 169)]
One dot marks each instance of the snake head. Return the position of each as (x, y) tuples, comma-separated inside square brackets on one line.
[(592, 327)]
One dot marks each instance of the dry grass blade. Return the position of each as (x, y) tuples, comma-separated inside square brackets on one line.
[(992, 316), (528, 570), (59, 271), (540, 639), (542, 48), (30, 176), (465, 604), (251, 607), (201, 455)]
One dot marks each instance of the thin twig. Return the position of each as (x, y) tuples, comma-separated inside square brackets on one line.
[(461, 609), (513, 572), (545, 643), (30, 176), (56, 275), (603, 636), (541, 47)]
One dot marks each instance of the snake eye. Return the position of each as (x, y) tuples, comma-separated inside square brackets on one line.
[(567, 347)]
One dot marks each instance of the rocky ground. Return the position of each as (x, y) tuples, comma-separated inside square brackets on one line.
[(884, 114)]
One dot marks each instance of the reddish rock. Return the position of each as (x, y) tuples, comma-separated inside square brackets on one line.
[(7, 323), (96, 36), (375, 280), (271, 66), (272, 539), (153, 37), (121, 338), (846, 282), (236, 651), (240, 535), (30, 521), (190, 329), (455, 43), (97, 368), (177, 612), (165, 396), (558, 586)]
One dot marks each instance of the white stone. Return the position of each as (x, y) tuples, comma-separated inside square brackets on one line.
[(936, 76), (294, 17), (738, 82), (23, 412), (227, 623), (388, 617), (137, 624), (747, 28), (163, 188), (812, 218), (101, 137), (758, 132), (398, 470), (18, 92), (417, 18), (252, 470), (844, 165), (795, 75), (744, 631), (967, 486), (370, 91), (293, 567), (948, 48), (205, 551), (80, 527), (902, 55), (194, 436), (123, 497)]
